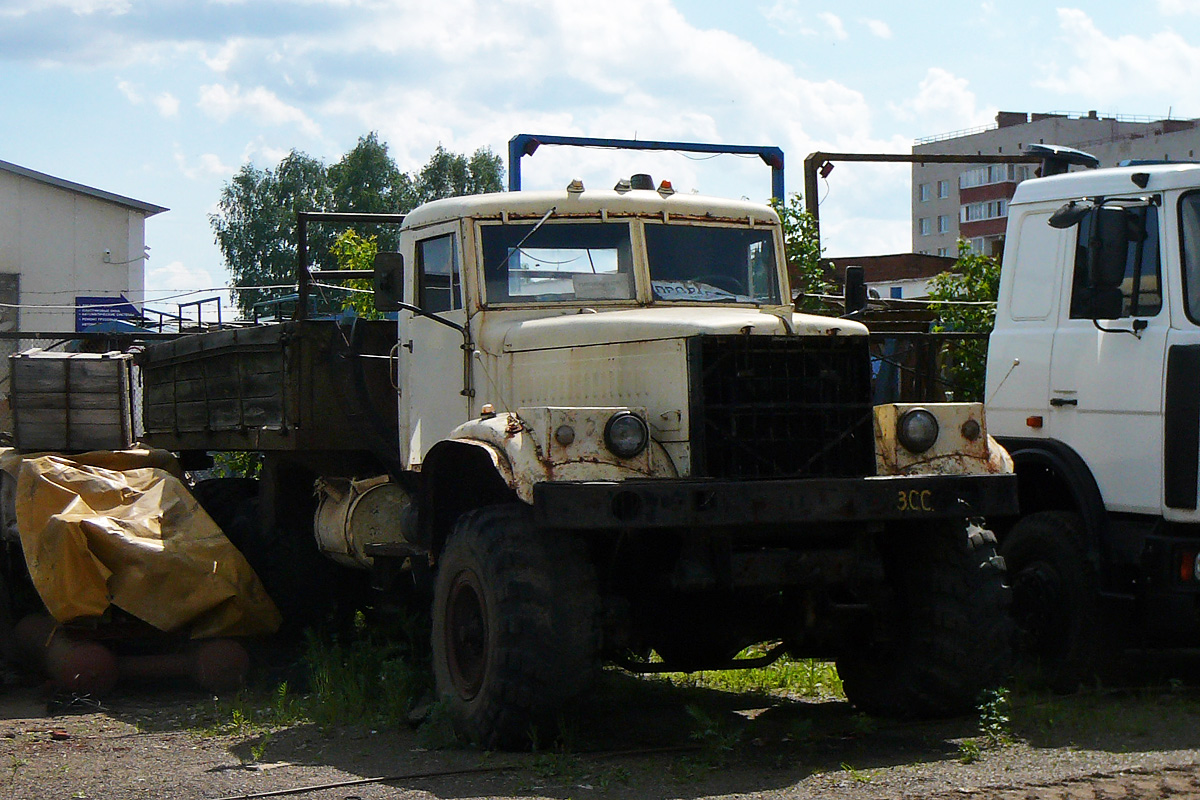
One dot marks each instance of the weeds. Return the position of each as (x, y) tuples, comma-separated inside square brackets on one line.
[(365, 681), (994, 718), (969, 751), (858, 776), (717, 741), (995, 726), (806, 677), (368, 681)]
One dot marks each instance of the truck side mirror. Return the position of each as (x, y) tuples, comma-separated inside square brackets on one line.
[(1069, 215), (389, 281), (854, 291), (1109, 246)]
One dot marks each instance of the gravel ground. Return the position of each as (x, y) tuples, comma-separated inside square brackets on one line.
[(637, 739)]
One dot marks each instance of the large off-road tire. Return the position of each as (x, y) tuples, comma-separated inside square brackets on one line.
[(1056, 601), (944, 635), (515, 628)]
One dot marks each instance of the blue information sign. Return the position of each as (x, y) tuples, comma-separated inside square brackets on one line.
[(91, 311)]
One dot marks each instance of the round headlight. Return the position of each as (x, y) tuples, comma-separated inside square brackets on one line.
[(917, 430), (626, 434)]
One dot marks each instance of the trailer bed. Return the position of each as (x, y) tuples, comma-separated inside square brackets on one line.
[(311, 385)]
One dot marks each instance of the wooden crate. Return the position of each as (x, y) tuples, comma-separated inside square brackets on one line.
[(72, 401)]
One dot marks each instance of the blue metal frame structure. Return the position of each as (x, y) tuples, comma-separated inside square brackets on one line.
[(525, 144)]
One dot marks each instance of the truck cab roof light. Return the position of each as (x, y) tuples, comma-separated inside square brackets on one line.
[(642, 180), (666, 189), (575, 187)]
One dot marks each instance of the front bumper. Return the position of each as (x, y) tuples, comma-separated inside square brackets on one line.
[(701, 503)]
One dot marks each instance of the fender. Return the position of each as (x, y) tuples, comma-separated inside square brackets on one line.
[(521, 449), (1061, 460)]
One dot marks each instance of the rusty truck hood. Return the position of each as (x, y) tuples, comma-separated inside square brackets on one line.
[(575, 328)]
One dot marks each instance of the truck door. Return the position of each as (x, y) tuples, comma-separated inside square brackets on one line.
[(1106, 386), (431, 369), (1181, 404)]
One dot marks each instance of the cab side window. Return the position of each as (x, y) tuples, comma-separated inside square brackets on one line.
[(439, 282), (1141, 286)]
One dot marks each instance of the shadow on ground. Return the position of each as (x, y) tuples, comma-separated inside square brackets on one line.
[(634, 735)]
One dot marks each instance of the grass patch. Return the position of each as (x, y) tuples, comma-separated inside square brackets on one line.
[(806, 677), (366, 680)]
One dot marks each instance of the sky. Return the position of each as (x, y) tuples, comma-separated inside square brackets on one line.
[(164, 100)]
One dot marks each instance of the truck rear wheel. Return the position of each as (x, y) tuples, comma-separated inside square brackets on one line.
[(944, 636), (1055, 600), (515, 627)]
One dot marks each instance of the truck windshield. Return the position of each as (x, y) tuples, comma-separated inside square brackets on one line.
[(560, 262), (704, 263)]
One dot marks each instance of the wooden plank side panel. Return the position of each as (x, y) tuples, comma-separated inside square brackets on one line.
[(279, 387)]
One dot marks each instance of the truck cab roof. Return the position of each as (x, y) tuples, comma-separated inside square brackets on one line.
[(1108, 181), (590, 203)]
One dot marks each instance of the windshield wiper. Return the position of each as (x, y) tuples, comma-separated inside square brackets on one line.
[(525, 238)]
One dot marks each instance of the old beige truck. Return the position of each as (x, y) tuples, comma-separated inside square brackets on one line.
[(599, 433)]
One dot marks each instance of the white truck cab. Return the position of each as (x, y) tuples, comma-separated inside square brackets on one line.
[(1093, 384)]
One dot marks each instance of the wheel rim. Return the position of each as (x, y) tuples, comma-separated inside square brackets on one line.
[(1038, 607), (466, 634)]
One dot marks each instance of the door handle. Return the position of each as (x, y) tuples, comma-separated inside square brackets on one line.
[(1058, 402)]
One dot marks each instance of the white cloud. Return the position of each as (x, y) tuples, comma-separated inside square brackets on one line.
[(1112, 68), (78, 7), (260, 104), (131, 93), (167, 104), (167, 287), (225, 55), (205, 166), (1172, 7), (878, 28), (836, 29), (943, 102), (787, 17), (176, 277)]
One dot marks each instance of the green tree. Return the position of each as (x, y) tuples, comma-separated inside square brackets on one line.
[(807, 273), (968, 294), (354, 251), (367, 181), (255, 227), (452, 174)]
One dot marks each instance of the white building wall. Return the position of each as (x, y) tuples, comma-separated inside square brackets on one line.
[(56, 240)]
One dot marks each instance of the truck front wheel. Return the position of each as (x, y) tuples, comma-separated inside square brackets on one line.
[(515, 627), (1055, 600), (943, 635)]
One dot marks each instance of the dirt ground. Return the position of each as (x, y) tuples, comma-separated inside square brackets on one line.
[(635, 739)]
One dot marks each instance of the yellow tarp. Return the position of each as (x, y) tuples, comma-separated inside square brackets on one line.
[(122, 529)]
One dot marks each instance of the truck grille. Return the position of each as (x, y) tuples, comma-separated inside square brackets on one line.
[(780, 406)]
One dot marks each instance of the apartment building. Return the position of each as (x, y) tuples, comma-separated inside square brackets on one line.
[(970, 201)]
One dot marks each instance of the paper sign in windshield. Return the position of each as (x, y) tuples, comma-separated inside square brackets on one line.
[(694, 291)]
